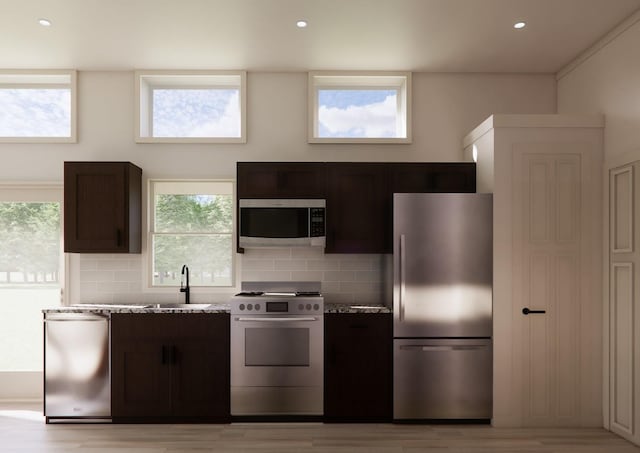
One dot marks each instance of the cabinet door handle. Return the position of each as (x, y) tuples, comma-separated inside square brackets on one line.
[(332, 355), (526, 311), (169, 355), (118, 237)]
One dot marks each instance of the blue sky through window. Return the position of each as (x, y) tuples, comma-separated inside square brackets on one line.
[(357, 113), (35, 112), (196, 113)]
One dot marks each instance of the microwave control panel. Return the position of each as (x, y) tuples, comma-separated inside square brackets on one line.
[(316, 221)]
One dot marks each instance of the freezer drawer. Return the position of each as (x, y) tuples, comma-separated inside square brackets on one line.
[(442, 379), (76, 366)]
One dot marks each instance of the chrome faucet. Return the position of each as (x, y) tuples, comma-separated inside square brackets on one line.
[(185, 288)]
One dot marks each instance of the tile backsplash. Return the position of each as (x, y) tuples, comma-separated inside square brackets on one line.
[(115, 278), (345, 278)]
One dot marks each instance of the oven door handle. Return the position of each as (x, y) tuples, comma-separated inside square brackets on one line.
[(270, 319)]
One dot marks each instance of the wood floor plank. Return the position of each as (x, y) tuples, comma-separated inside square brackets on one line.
[(22, 429)]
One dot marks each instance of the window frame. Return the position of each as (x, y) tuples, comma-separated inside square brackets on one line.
[(35, 78), (148, 80), (150, 219), (359, 80)]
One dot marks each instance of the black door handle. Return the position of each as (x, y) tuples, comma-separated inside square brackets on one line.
[(173, 355), (526, 311)]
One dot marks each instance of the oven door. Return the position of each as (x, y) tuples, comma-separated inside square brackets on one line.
[(276, 350), (277, 365)]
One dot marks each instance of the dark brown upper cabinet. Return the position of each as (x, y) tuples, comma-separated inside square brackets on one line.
[(357, 206), (102, 207), (421, 177), (280, 180), (359, 194)]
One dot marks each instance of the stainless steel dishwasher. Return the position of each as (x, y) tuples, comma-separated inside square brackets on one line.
[(77, 378)]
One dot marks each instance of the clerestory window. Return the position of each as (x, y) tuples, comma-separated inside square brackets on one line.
[(37, 106), (359, 107), (190, 106)]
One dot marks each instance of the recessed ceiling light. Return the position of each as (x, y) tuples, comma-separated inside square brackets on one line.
[(44, 22), (519, 25), (301, 24)]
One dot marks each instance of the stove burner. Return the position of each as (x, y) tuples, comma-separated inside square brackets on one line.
[(307, 293), (250, 293)]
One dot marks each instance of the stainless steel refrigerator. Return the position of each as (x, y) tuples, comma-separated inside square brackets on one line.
[(442, 306)]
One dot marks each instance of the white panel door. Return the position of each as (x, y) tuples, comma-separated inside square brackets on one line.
[(624, 314), (548, 272)]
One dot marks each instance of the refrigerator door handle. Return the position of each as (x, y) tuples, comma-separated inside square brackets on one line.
[(434, 348), (402, 277)]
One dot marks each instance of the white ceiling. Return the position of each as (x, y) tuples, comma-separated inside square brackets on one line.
[(260, 35)]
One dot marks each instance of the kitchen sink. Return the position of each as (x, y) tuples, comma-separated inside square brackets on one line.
[(184, 306)]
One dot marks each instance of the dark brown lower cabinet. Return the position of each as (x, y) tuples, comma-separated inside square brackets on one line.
[(358, 367), (170, 367)]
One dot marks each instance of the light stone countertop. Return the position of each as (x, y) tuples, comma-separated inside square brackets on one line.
[(201, 308), (133, 308), (355, 308)]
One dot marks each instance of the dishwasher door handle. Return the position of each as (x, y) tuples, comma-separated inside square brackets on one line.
[(83, 318)]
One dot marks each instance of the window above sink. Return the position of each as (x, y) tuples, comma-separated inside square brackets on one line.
[(192, 222)]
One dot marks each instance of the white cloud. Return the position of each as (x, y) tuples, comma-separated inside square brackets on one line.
[(373, 120), (35, 113), (227, 125), (195, 113)]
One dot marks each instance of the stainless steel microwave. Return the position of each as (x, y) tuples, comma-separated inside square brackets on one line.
[(282, 223)]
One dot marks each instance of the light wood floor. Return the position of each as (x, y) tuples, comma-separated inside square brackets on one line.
[(22, 429)]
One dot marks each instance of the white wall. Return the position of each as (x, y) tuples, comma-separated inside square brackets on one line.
[(445, 108), (607, 80)]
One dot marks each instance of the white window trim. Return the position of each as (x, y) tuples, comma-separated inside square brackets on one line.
[(400, 81), (34, 78), (184, 79), (148, 263)]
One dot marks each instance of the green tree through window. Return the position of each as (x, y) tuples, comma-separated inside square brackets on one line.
[(192, 229), (29, 243), (30, 277)]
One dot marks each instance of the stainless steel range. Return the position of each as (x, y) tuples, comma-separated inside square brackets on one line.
[(277, 336)]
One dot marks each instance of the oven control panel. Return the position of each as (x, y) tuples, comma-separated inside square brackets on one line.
[(266, 306)]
